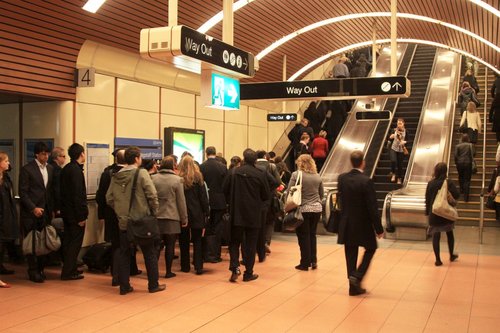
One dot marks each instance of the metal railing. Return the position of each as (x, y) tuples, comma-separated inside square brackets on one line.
[(483, 178)]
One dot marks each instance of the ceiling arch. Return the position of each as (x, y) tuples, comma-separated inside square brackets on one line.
[(262, 22)]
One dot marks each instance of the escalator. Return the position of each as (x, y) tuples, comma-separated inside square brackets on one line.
[(469, 212), (410, 109)]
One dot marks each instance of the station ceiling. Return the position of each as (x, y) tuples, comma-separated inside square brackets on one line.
[(262, 22)]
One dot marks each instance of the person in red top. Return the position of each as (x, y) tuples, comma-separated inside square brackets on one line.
[(320, 149)]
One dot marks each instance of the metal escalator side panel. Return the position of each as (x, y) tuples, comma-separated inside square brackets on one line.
[(356, 134), (432, 143)]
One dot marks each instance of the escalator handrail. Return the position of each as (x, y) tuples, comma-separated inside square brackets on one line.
[(392, 117), (483, 178)]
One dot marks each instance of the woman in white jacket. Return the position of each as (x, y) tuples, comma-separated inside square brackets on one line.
[(473, 122)]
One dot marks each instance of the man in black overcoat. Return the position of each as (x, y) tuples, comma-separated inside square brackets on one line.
[(35, 191), (214, 173), (359, 222), (74, 211), (247, 191)]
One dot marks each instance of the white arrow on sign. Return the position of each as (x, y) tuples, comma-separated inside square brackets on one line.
[(232, 93), (245, 63), (397, 85)]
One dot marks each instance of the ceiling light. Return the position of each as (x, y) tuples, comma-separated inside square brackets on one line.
[(93, 5), (218, 17)]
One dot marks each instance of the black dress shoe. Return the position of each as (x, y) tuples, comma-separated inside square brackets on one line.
[(160, 287), (137, 272), (453, 257), (301, 268), (72, 277), (79, 271), (247, 278), (5, 271), (170, 275), (199, 271), (314, 265), (36, 278), (115, 283), (234, 275), (126, 291), (438, 263), (356, 291)]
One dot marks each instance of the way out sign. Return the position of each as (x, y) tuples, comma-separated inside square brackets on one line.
[(219, 91)]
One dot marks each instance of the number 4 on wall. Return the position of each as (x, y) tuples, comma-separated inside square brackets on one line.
[(84, 77)]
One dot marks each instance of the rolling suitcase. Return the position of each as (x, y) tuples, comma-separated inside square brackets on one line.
[(98, 257)]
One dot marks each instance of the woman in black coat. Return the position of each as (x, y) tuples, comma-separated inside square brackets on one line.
[(198, 211), (494, 116), (437, 223), (9, 227)]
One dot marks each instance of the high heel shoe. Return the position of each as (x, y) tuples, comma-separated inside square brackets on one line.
[(453, 257), (4, 285)]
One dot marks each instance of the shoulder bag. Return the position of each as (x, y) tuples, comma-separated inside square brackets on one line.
[(144, 228), (441, 206), (294, 198), (334, 220), (293, 219)]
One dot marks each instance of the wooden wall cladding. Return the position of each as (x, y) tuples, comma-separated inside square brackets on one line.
[(40, 40)]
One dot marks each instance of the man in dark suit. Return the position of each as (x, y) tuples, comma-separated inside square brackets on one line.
[(359, 222), (214, 173), (247, 191), (74, 211), (35, 190)]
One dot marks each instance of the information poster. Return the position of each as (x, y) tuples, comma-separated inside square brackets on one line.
[(97, 159)]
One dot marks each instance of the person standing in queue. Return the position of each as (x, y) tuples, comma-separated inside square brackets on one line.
[(359, 222), (35, 191), (246, 190), (74, 211)]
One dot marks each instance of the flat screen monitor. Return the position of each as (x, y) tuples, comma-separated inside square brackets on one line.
[(178, 140)]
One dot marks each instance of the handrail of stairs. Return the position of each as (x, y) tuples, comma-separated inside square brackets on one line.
[(483, 178)]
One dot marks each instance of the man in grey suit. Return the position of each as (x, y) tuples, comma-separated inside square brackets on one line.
[(359, 222), (35, 191)]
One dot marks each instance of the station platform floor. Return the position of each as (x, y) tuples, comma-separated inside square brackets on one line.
[(406, 293)]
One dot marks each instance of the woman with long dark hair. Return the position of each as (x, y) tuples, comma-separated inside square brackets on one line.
[(198, 211), (9, 227), (437, 223)]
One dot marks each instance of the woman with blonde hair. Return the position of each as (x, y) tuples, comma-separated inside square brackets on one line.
[(311, 208), (473, 122), (9, 227), (198, 212)]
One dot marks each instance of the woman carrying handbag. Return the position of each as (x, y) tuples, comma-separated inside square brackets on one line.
[(438, 224), (311, 208)]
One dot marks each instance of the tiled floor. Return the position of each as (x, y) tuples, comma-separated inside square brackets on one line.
[(406, 293)]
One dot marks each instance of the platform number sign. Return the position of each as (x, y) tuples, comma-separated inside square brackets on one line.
[(85, 77)]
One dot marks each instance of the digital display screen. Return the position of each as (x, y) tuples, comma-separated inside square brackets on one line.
[(190, 142)]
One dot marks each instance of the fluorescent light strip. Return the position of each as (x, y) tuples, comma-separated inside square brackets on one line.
[(489, 8), (385, 41), (93, 5), (218, 17), (310, 27)]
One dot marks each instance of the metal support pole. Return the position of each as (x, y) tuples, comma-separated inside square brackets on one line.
[(394, 35), (228, 22), (284, 79), (374, 49), (172, 12)]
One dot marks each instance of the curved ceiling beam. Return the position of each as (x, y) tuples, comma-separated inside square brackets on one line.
[(318, 24), (385, 41), (214, 20)]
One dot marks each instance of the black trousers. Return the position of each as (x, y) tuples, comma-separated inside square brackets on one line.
[(169, 241), (212, 251), (249, 248), (306, 234), (351, 258), (464, 176), (187, 235), (150, 260), (72, 243), (261, 239)]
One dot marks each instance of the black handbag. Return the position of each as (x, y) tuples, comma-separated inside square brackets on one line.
[(293, 219), (334, 220), (144, 228)]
